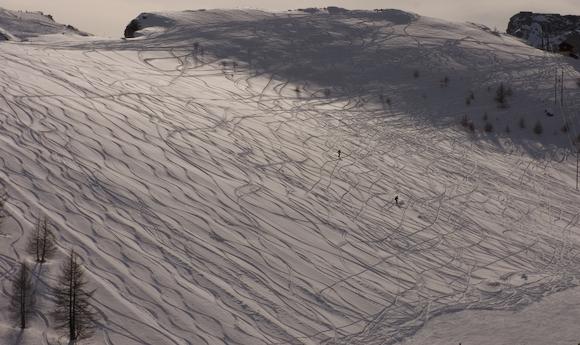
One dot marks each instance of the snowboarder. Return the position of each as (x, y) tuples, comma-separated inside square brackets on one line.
[(339, 153), (397, 200)]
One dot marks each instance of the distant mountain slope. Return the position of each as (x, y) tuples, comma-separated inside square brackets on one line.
[(373, 54), (20, 25), (543, 30)]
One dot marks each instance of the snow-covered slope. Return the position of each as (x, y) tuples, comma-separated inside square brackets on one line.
[(20, 25), (195, 170), (550, 321), (375, 55)]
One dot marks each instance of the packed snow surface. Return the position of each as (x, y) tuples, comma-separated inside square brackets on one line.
[(551, 321), (195, 170)]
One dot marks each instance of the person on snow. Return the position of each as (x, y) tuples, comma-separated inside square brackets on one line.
[(339, 153), (397, 200)]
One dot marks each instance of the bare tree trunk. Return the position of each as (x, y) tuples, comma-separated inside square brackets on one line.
[(22, 299), (46, 238), (3, 212), (72, 289), (37, 235)]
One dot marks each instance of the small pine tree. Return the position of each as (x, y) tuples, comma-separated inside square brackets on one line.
[(470, 98), (538, 129), (22, 299), (42, 244), (501, 95), (565, 128), (416, 74), (507, 129), (488, 127), (522, 123), (73, 311)]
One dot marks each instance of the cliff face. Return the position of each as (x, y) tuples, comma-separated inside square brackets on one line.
[(544, 31)]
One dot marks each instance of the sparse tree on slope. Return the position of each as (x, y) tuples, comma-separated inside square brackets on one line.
[(501, 95), (3, 212), (22, 299), (42, 243), (73, 311)]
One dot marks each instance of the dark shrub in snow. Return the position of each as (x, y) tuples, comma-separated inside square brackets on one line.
[(538, 129)]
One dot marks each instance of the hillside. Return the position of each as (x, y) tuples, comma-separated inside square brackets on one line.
[(20, 25), (373, 54), (195, 169)]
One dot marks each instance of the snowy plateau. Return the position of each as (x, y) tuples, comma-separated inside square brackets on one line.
[(195, 170)]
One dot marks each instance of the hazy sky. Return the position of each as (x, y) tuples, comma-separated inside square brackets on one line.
[(109, 17)]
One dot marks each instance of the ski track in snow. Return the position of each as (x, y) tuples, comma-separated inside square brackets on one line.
[(210, 207)]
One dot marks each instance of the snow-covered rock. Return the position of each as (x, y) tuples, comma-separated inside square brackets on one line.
[(543, 30)]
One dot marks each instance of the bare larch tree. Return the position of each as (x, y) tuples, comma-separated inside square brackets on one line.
[(3, 212), (73, 310), (22, 298), (42, 244)]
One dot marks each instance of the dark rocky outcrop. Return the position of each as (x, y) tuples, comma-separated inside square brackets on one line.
[(336, 10), (542, 30), (132, 28)]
